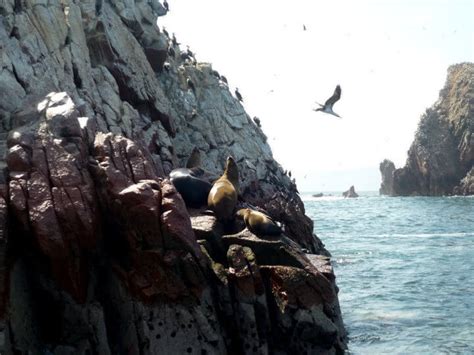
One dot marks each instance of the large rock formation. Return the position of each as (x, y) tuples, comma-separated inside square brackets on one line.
[(441, 158), (98, 253)]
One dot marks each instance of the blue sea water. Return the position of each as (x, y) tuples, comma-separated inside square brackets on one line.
[(405, 269)]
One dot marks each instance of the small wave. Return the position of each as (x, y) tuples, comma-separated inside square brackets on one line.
[(345, 261), (390, 315), (322, 198), (427, 235), (365, 338)]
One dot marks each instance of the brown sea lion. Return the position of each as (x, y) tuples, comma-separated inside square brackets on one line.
[(194, 160), (223, 195), (189, 181), (259, 223)]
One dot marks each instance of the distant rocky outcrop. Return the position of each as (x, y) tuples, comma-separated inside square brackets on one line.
[(98, 252), (350, 193), (386, 169), (441, 158)]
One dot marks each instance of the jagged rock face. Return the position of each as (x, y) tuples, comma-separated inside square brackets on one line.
[(98, 253), (442, 153), (386, 169), (466, 187)]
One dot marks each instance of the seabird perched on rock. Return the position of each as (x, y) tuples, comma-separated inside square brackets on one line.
[(165, 32), (171, 51), (237, 94), (166, 5), (224, 79), (174, 40), (189, 52), (184, 56), (327, 107), (166, 66), (191, 85), (257, 121)]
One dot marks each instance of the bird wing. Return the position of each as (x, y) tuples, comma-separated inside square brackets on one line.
[(333, 99)]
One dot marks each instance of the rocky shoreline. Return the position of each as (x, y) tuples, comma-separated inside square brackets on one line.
[(99, 252)]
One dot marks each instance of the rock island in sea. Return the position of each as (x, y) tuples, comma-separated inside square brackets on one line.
[(441, 158), (98, 252)]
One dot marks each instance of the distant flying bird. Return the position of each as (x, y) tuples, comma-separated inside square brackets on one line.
[(304, 27), (237, 94), (327, 107)]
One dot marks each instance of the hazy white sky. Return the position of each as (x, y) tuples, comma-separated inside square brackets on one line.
[(390, 58)]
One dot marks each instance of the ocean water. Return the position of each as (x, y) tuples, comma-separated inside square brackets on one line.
[(405, 269)]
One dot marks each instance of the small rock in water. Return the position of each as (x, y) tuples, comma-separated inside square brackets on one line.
[(350, 193)]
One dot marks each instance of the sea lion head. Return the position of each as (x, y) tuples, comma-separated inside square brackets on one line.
[(232, 171), (243, 213), (194, 160)]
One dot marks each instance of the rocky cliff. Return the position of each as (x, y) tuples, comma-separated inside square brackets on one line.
[(441, 158), (98, 252)]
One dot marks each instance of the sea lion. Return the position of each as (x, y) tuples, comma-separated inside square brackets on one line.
[(194, 160), (223, 195), (259, 223), (188, 181)]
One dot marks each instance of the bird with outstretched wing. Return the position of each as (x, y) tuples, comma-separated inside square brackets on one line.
[(327, 107)]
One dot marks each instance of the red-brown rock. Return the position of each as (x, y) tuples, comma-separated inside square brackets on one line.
[(296, 287)]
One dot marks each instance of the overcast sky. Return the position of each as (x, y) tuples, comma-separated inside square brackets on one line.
[(390, 58)]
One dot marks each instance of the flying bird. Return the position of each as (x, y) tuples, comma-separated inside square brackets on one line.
[(327, 107)]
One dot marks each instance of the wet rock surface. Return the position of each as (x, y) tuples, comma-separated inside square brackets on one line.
[(98, 251), (441, 158)]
